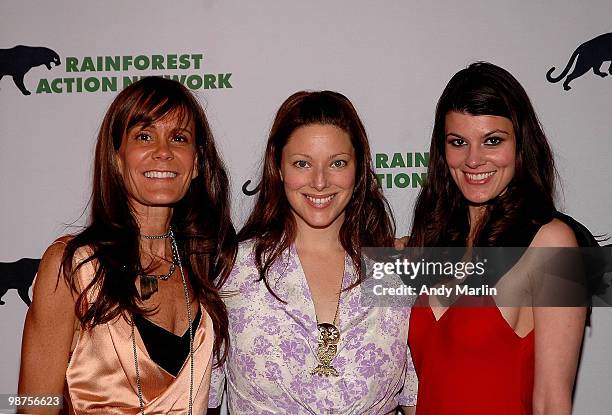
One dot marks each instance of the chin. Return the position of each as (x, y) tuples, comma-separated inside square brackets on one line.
[(319, 224), (163, 200), (479, 199), (319, 221)]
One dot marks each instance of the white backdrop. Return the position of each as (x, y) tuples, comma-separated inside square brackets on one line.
[(392, 59)]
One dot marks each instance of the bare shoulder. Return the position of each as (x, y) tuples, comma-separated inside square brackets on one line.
[(52, 258), (50, 284), (54, 254), (555, 234)]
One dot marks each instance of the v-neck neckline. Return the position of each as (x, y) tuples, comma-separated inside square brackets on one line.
[(305, 288), (142, 347), (195, 323)]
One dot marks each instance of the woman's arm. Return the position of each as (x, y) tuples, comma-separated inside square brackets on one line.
[(558, 337), (48, 332), (408, 410)]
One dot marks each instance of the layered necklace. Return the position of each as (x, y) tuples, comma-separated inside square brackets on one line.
[(328, 339), (149, 282), (175, 258)]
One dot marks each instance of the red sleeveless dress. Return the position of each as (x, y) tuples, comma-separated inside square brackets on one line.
[(470, 361)]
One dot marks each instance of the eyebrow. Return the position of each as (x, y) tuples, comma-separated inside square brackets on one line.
[(182, 129), (340, 154), (485, 135), (300, 155), (330, 157), (145, 125)]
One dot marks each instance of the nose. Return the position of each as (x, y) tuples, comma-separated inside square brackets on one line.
[(475, 157), (162, 150), (320, 179)]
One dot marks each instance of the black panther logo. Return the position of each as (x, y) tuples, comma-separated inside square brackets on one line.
[(18, 275), (247, 191), (590, 55), (17, 61)]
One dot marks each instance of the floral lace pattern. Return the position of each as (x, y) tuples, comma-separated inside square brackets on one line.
[(273, 348)]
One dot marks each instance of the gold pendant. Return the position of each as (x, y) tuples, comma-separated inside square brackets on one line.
[(329, 336)]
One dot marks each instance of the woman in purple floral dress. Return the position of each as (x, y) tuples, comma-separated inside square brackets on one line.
[(302, 340)]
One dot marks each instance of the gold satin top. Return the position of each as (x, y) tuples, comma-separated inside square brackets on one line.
[(101, 376)]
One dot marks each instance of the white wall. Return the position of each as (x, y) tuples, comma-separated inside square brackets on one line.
[(392, 59)]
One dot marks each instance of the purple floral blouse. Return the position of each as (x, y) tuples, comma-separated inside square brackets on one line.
[(273, 348)]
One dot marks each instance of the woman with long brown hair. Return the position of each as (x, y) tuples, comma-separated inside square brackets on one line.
[(126, 315), (302, 341), (490, 183)]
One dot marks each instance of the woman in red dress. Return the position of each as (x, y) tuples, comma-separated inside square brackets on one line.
[(491, 184)]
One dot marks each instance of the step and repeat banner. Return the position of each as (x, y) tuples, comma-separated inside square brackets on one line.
[(62, 62)]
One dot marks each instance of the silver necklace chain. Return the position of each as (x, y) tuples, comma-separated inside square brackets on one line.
[(175, 254), (162, 236), (163, 277)]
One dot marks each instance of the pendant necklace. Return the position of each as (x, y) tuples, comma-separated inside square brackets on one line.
[(149, 282), (176, 256), (328, 339)]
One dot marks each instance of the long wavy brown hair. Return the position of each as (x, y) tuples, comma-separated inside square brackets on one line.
[(441, 213), (201, 220), (271, 224)]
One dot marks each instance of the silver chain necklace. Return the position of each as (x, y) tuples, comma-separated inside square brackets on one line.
[(162, 236), (149, 282), (175, 253)]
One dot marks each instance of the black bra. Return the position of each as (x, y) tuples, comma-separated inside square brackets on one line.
[(166, 349)]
